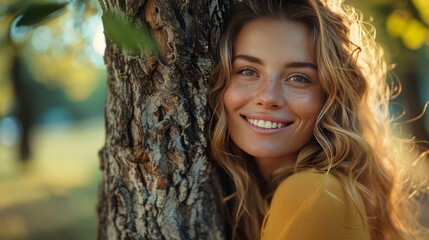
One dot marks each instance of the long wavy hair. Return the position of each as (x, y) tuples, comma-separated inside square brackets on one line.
[(353, 136)]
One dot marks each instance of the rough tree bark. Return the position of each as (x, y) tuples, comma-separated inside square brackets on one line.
[(157, 180)]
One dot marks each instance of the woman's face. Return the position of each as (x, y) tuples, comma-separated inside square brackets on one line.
[(275, 94)]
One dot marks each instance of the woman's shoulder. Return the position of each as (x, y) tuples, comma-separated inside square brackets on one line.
[(317, 199), (311, 180), (322, 195)]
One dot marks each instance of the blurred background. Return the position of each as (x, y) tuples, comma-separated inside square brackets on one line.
[(52, 93)]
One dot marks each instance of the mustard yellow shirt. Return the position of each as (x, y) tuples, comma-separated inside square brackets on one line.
[(313, 206)]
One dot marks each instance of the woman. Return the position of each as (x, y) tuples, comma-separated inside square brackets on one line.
[(302, 126)]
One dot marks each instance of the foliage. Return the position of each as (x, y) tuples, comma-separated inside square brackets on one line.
[(411, 24), (36, 13), (127, 34)]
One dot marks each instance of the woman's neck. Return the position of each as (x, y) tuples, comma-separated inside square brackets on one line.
[(268, 165)]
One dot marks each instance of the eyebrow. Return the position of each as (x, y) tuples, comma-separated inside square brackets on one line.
[(289, 65)]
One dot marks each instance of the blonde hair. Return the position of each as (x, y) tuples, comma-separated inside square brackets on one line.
[(353, 133)]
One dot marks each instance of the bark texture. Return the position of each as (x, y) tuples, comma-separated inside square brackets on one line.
[(157, 180)]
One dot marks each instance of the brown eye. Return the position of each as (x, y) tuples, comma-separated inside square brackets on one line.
[(299, 78), (248, 72)]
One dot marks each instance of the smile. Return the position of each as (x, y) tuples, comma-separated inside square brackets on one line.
[(265, 124)]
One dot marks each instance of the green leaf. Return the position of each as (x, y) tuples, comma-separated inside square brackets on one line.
[(127, 34), (15, 8), (38, 13)]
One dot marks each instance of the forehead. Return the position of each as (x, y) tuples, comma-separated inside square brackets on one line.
[(272, 38)]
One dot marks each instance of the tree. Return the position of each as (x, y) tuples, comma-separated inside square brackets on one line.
[(157, 180)]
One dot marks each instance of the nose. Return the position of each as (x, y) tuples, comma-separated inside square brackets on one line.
[(270, 93)]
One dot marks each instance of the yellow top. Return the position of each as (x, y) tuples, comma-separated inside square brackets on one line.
[(312, 205)]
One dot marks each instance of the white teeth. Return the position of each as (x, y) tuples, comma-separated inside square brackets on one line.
[(265, 124)]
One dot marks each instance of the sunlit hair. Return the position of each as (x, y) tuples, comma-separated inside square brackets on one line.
[(353, 132)]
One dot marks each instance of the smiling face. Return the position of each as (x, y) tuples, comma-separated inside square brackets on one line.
[(274, 96)]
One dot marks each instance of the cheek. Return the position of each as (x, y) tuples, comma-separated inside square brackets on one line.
[(233, 97), (307, 106), (228, 99)]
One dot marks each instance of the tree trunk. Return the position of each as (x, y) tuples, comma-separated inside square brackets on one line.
[(24, 106), (158, 182)]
